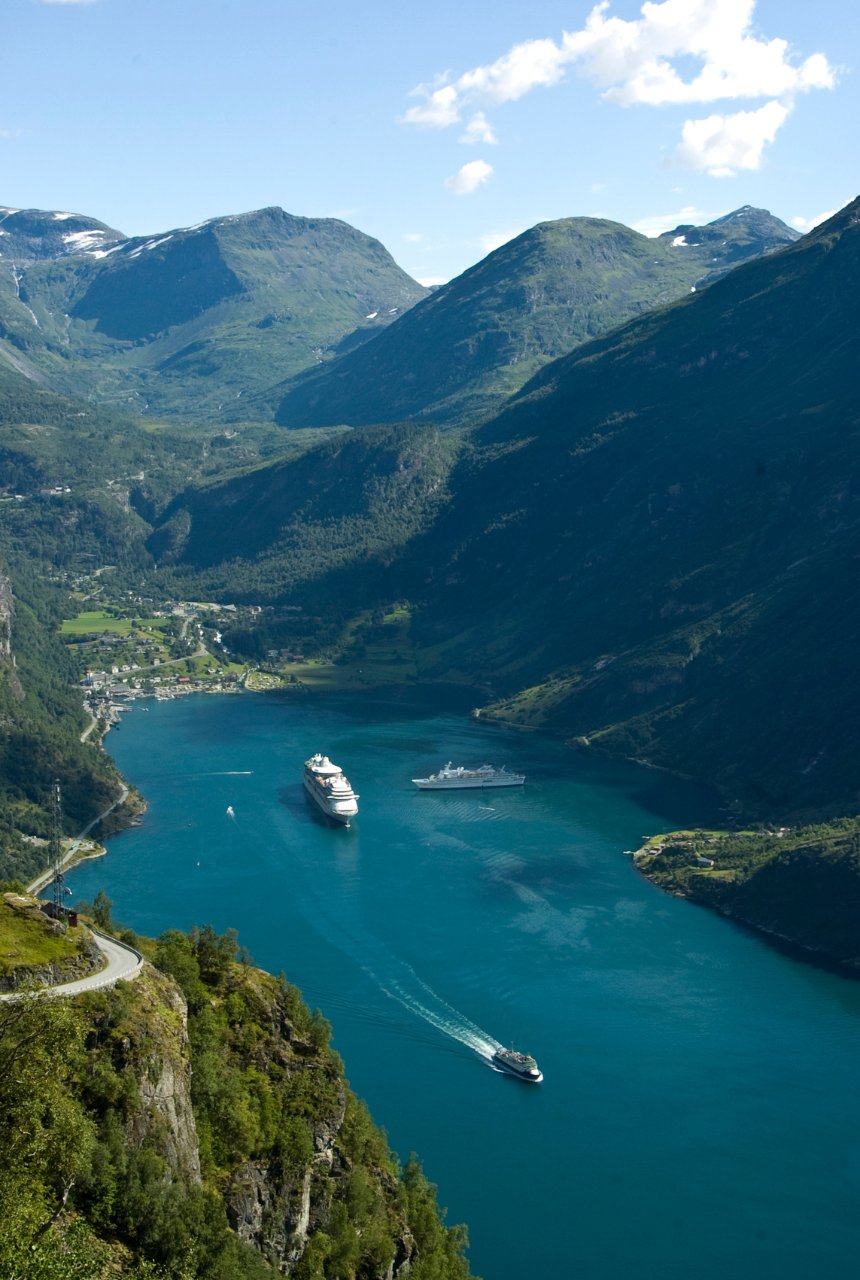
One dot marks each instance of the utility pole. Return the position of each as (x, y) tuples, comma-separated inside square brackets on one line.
[(56, 849)]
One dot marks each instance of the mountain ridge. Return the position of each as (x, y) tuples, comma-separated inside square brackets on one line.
[(194, 321), (479, 338), (660, 508)]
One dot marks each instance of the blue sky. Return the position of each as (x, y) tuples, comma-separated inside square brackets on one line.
[(441, 129)]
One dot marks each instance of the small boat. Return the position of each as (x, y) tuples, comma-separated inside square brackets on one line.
[(230, 813), (518, 1064), (458, 778)]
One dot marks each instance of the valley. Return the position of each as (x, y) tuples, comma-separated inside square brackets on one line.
[(597, 493)]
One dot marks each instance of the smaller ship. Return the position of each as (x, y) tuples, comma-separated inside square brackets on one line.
[(518, 1064), (327, 786), (230, 813), (457, 778)]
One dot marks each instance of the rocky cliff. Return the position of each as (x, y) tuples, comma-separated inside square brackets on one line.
[(213, 1135)]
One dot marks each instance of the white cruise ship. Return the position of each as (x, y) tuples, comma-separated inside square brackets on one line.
[(455, 778), (326, 785)]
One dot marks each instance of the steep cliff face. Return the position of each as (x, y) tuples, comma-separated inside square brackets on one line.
[(227, 1142), (5, 616), (163, 1116)]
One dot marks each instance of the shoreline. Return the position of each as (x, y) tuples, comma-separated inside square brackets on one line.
[(787, 945), (792, 947)]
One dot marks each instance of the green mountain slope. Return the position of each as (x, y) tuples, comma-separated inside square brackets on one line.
[(193, 322), (478, 339), (343, 510), (801, 885), (655, 546)]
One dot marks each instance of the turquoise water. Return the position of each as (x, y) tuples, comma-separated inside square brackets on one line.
[(700, 1115)]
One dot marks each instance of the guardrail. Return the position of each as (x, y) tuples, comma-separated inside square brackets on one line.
[(93, 981)]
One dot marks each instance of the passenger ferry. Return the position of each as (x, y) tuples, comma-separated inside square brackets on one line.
[(518, 1064)]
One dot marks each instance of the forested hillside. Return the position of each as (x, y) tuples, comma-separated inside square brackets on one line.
[(800, 886), (194, 1123), (663, 529), (41, 720)]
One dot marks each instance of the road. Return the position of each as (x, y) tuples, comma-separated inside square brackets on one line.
[(122, 963), (45, 877)]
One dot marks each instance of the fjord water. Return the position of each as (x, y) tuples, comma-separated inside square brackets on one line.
[(699, 1116)]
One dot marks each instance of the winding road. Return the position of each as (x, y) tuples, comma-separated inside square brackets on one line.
[(122, 963)]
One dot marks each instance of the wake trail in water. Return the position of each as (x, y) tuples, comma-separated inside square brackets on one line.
[(337, 919), (434, 1010)]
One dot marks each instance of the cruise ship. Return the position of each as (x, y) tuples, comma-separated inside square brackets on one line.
[(326, 785), (455, 778), (518, 1064)]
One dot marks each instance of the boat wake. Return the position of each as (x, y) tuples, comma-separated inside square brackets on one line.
[(334, 915), (397, 980), (437, 1012)]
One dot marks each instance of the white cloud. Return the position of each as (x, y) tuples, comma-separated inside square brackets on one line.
[(429, 281), (479, 129), (469, 177), (723, 144), (660, 222), (806, 224), (413, 237), (495, 239), (632, 61), (438, 110), (527, 66), (647, 62)]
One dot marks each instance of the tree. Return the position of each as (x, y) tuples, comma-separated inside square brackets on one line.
[(46, 1137), (102, 906)]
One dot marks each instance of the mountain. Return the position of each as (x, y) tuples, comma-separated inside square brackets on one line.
[(737, 237), (348, 506), (191, 322), (479, 338), (653, 548), (32, 235)]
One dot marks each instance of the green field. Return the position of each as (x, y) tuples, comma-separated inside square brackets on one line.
[(27, 940), (100, 621), (94, 622)]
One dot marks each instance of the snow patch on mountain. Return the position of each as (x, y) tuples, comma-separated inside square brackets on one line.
[(78, 240)]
